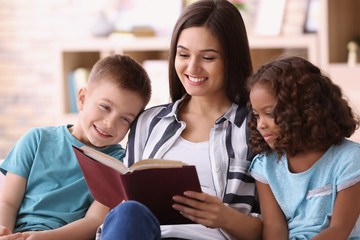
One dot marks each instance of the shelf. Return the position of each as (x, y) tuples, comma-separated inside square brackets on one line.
[(119, 44), (342, 72), (344, 26), (340, 24), (348, 78), (84, 54), (265, 49)]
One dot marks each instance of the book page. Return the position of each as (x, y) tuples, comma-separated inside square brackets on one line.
[(105, 159), (155, 163)]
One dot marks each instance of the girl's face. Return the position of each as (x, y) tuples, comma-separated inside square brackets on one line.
[(200, 63), (263, 102), (105, 113)]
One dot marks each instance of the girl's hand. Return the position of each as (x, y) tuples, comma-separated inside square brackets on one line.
[(201, 208)]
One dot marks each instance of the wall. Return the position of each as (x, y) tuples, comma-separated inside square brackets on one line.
[(28, 31)]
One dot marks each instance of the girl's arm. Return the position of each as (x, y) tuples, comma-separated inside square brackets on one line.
[(345, 214), (84, 228), (275, 226), (11, 196), (211, 212)]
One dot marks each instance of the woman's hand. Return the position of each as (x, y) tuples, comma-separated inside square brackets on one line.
[(209, 211), (201, 208)]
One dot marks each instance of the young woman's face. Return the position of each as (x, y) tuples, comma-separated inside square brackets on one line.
[(200, 63), (105, 113), (263, 102)]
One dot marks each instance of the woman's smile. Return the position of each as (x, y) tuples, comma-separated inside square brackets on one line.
[(196, 80)]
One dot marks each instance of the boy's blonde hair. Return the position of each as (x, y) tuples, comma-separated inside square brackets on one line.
[(125, 72)]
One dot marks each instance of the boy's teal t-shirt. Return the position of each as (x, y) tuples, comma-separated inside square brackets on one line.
[(56, 192)]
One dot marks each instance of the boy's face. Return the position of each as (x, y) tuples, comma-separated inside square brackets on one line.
[(263, 102), (106, 112)]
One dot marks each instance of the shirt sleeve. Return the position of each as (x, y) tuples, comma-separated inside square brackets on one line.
[(348, 173), (19, 160), (257, 170)]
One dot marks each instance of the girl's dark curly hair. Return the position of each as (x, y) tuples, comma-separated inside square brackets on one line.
[(311, 111)]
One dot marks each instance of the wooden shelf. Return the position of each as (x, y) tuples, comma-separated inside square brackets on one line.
[(84, 53), (265, 49), (339, 24), (343, 22), (348, 78)]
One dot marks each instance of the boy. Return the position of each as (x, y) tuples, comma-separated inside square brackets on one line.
[(45, 195)]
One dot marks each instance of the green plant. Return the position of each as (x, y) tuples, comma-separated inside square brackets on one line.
[(239, 4)]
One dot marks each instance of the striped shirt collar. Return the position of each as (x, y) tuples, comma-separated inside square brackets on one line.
[(234, 114)]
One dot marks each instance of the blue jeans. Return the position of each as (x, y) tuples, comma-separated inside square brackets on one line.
[(132, 221)]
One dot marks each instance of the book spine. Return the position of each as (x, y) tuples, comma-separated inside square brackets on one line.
[(72, 92)]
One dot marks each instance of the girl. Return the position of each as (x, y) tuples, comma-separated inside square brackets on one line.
[(306, 172)]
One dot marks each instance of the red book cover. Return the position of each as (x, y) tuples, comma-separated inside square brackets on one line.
[(153, 187)]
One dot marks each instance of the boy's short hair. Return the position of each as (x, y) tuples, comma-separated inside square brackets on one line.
[(124, 71)]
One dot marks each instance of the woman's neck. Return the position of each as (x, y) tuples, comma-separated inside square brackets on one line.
[(207, 105), (200, 115)]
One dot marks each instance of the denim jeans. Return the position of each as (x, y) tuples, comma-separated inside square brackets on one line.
[(131, 220)]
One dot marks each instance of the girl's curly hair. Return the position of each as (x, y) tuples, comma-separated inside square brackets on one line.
[(311, 111)]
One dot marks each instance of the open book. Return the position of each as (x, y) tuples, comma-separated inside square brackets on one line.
[(152, 182)]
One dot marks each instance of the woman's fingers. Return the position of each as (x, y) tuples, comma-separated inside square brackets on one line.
[(199, 207)]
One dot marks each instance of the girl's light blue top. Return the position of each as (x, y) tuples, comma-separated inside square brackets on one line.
[(307, 198)]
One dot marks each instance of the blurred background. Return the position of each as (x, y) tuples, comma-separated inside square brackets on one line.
[(48, 47)]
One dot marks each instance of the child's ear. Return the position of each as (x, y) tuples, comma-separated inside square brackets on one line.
[(81, 97)]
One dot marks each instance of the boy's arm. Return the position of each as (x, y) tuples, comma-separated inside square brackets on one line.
[(11, 196), (274, 222), (345, 214), (84, 228)]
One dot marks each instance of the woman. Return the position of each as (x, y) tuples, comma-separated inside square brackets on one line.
[(205, 126)]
